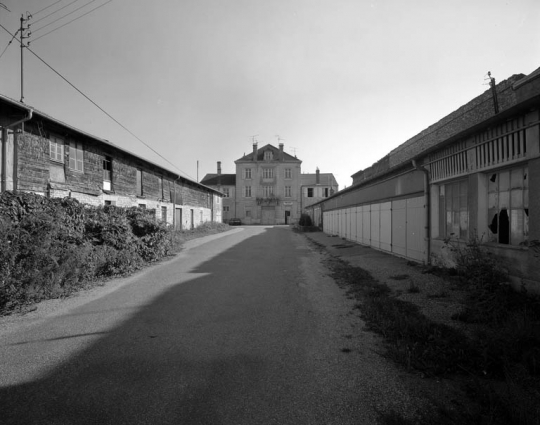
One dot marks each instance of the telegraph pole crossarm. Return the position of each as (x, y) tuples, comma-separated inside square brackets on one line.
[(25, 33)]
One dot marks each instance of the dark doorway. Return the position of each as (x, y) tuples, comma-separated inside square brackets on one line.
[(287, 217)]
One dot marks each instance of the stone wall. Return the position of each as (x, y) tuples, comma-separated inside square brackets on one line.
[(36, 172)]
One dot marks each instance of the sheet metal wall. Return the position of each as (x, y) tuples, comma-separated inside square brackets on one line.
[(394, 226)]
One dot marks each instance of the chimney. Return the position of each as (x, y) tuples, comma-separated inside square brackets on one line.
[(281, 151), (219, 173), (254, 151), (317, 176)]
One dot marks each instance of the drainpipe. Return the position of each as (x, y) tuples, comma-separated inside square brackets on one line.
[(174, 202), (29, 114), (27, 118), (427, 202)]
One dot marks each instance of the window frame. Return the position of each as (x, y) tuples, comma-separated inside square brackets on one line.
[(76, 156), (288, 191), (57, 142), (268, 172), (139, 182), (164, 216), (247, 192), (513, 198), (310, 192), (247, 174), (453, 216), (107, 172), (288, 173)]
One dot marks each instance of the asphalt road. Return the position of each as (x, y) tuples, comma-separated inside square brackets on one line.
[(242, 328)]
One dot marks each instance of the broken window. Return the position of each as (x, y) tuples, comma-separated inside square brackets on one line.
[(508, 206)]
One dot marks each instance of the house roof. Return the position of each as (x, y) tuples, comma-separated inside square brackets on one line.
[(261, 151), (226, 180), (36, 112), (308, 179)]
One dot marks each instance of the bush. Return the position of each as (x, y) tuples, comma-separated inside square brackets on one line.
[(50, 247), (305, 220)]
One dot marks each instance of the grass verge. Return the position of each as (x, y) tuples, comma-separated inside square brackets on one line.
[(500, 365)]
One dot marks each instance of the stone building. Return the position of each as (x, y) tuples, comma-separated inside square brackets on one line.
[(269, 187), (43, 155), (473, 174), (226, 184), (316, 187)]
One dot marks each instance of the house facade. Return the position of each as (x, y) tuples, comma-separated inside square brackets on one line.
[(268, 186), (315, 188), (41, 154), (473, 174), (226, 184)]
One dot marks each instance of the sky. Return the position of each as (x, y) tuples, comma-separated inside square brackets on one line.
[(340, 82)]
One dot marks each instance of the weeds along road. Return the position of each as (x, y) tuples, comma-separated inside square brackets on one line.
[(244, 327)]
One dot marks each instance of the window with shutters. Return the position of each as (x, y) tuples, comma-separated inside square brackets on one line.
[(139, 183), (56, 149), (76, 156)]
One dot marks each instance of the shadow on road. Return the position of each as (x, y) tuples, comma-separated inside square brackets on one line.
[(210, 350)]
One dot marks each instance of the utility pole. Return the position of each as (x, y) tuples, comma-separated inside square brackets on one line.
[(25, 33), (494, 91)]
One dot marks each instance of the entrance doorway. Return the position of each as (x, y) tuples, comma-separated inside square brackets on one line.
[(178, 219), (287, 217), (268, 215)]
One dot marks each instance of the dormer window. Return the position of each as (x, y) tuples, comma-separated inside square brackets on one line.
[(268, 155)]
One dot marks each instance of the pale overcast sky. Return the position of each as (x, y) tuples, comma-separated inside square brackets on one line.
[(342, 82)]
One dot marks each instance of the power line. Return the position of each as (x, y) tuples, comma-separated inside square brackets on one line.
[(62, 17), (79, 17), (97, 106), (45, 8), (10, 41), (58, 10)]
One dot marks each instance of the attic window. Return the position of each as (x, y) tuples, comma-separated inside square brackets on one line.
[(268, 155)]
